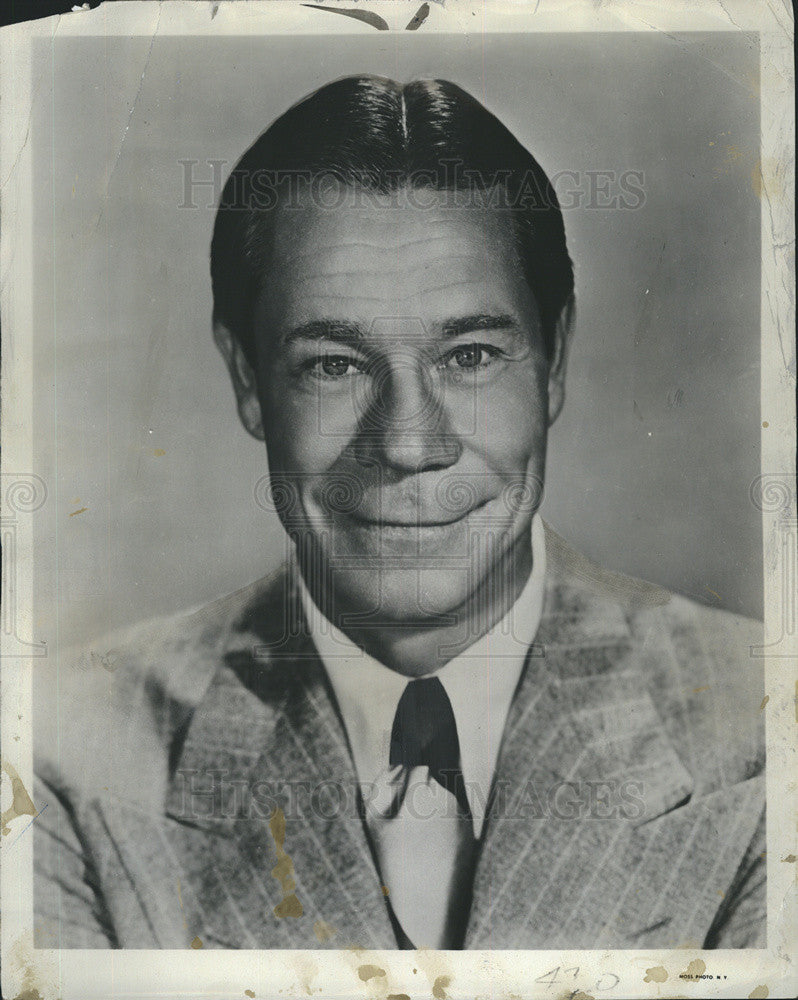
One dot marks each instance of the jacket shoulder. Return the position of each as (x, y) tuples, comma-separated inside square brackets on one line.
[(119, 705), (698, 663)]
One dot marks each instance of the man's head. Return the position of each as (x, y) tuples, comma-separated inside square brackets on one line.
[(393, 296)]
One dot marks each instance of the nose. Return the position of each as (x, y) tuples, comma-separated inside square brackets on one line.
[(406, 427)]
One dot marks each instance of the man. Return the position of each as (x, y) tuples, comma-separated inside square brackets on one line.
[(438, 725)]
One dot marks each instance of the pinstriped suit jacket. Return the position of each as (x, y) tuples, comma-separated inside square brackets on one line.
[(627, 810)]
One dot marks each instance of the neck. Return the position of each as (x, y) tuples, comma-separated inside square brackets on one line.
[(419, 648)]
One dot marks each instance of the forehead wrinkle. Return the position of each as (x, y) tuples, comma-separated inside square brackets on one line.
[(481, 297), (486, 299), (352, 300), (376, 272), (396, 247), (455, 283)]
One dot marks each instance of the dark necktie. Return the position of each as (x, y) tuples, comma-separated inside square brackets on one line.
[(420, 821), (424, 734)]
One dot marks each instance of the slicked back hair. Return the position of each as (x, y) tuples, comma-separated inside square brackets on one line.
[(376, 134)]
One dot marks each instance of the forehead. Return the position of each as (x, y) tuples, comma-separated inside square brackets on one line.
[(416, 257)]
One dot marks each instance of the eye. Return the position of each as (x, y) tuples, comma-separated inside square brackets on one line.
[(334, 366), (470, 357)]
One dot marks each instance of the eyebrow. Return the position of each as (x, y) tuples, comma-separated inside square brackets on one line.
[(345, 332), (479, 322), (326, 329)]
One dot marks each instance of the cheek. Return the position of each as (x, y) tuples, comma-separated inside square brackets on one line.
[(510, 424), (298, 439)]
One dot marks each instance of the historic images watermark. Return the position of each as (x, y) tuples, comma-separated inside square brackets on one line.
[(22, 494), (202, 182), (776, 495), (216, 795)]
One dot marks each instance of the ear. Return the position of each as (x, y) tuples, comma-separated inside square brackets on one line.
[(245, 384), (562, 342)]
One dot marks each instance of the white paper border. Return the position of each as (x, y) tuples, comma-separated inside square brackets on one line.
[(139, 974)]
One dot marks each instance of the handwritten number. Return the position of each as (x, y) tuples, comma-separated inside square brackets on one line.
[(607, 981), (545, 977)]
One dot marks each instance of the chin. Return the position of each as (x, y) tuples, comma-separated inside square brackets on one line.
[(413, 596)]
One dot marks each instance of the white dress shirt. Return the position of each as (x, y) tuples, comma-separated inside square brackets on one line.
[(480, 683)]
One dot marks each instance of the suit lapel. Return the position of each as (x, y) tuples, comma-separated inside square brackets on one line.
[(590, 839), (266, 736)]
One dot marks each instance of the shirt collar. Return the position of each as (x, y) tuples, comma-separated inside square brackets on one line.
[(479, 681)]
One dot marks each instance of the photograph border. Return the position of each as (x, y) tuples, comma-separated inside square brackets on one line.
[(139, 974)]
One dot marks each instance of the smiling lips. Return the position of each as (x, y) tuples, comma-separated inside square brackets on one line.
[(416, 523)]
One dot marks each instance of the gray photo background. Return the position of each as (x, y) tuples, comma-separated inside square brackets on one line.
[(151, 479)]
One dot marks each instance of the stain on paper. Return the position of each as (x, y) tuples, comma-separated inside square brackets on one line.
[(439, 987), (307, 970), (366, 972), (21, 802), (695, 969), (774, 170), (657, 974), (289, 905), (196, 943), (21, 960), (760, 993)]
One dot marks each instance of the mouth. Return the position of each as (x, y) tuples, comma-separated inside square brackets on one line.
[(388, 523), (414, 523)]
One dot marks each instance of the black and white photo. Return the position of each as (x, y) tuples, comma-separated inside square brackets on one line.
[(401, 511)]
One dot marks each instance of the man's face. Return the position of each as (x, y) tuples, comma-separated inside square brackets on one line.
[(402, 381)]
